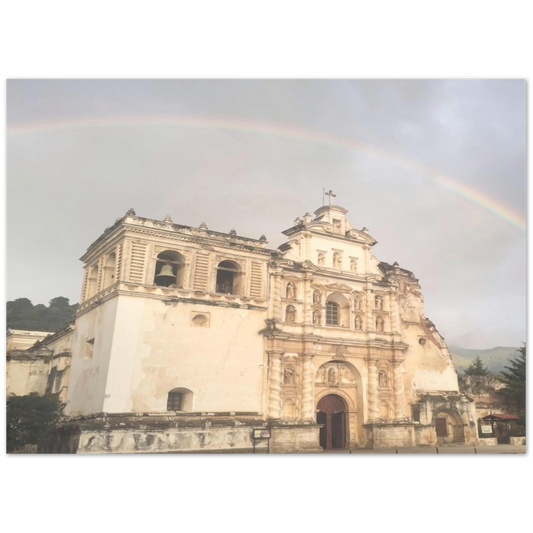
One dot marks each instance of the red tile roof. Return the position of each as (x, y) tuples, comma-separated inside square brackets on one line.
[(500, 416)]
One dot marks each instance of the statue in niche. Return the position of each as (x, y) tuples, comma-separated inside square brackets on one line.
[(382, 379), (321, 374), (358, 322), (317, 297), (357, 303), (291, 291), (337, 260), (290, 314), (353, 265), (288, 375), (379, 303), (379, 323), (317, 318), (321, 259), (332, 378)]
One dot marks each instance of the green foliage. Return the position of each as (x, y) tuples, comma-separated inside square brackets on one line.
[(30, 419), (477, 368), (22, 314), (515, 380)]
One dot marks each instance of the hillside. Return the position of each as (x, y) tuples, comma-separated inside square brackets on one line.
[(22, 314), (495, 359)]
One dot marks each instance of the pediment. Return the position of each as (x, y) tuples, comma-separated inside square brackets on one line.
[(308, 265), (341, 287)]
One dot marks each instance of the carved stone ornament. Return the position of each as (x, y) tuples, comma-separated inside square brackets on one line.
[(130, 212)]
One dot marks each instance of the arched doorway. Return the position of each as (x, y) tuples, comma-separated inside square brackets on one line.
[(332, 414), (449, 427)]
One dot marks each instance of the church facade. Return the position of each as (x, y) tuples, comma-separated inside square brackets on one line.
[(188, 339)]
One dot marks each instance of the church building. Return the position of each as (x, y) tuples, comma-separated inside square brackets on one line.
[(189, 339)]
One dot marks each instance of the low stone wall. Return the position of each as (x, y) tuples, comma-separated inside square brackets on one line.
[(389, 435), (155, 434), (191, 432), (295, 438), (488, 441), (517, 441)]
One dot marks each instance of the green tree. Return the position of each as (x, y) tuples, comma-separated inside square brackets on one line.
[(31, 418), (477, 368), (515, 381), (22, 314)]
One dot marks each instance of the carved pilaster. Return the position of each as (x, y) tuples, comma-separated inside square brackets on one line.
[(307, 389), (308, 299), (370, 324), (276, 296), (372, 390), (274, 394), (366, 248), (399, 398), (393, 311)]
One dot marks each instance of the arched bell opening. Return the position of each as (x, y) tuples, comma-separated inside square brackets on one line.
[(229, 278), (92, 283), (109, 270), (169, 269)]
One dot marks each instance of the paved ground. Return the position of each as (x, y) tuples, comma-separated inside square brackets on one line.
[(455, 449), (500, 449)]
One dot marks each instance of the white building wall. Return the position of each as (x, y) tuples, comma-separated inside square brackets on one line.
[(89, 371), (157, 347)]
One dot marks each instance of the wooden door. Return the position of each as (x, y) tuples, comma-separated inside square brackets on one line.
[(332, 413)]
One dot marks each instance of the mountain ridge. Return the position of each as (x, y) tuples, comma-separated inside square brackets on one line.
[(495, 359)]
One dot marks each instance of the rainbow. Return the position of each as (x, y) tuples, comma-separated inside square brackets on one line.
[(472, 194)]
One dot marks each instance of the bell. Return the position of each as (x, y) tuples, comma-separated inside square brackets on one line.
[(166, 271)]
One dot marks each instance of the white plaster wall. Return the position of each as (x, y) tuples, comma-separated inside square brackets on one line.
[(88, 376), (156, 348), (426, 367)]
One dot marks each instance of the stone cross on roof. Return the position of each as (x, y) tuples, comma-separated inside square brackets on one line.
[(330, 194)]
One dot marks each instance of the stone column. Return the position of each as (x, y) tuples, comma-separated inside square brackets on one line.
[(372, 390), (399, 397), (308, 411), (274, 391)]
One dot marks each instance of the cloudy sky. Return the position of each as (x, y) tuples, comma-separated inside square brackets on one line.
[(435, 169)]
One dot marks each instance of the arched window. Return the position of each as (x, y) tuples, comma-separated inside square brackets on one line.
[(229, 277), (337, 310), (332, 314), (174, 401), (179, 399), (92, 285), (109, 270), (169, 269)]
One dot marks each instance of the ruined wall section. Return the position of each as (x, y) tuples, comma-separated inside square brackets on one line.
[(428, 365)]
